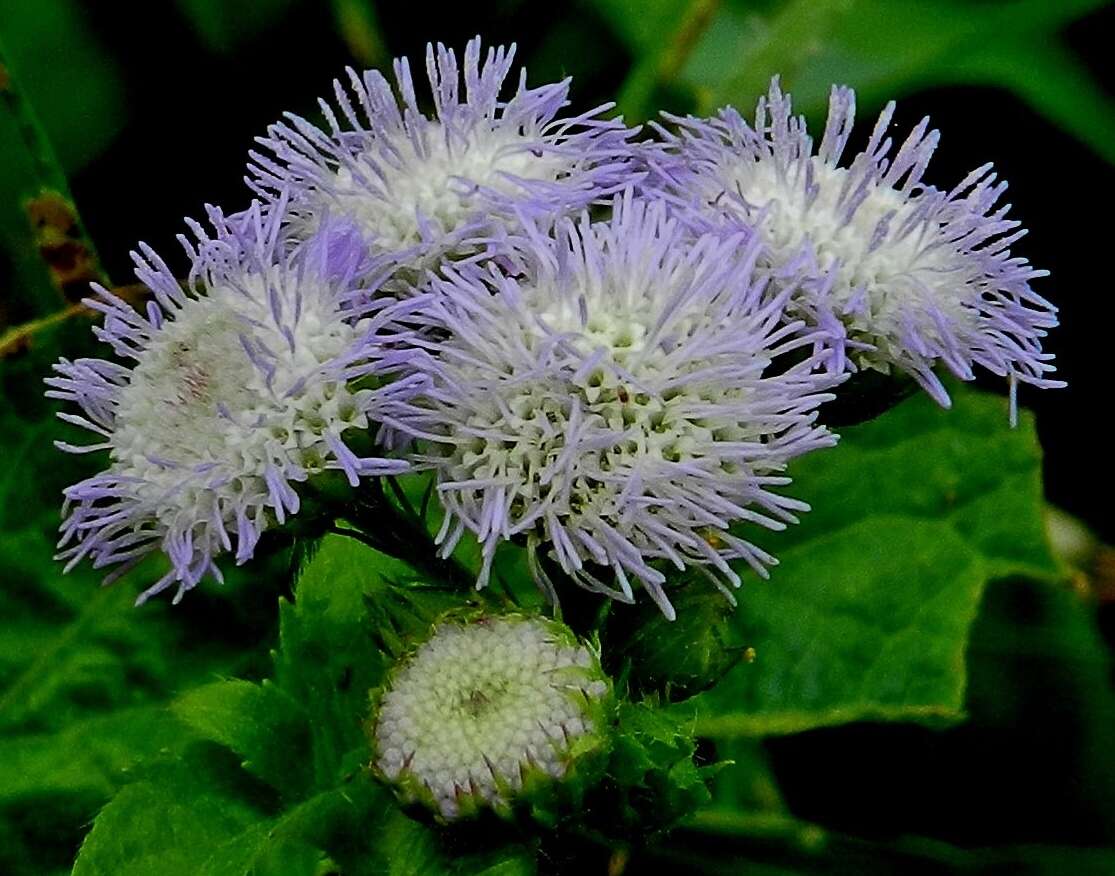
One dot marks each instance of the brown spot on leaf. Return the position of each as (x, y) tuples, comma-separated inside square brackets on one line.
[(63, 247)]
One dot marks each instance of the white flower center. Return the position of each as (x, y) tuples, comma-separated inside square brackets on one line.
[(621, 396), (439, 185), (876, 283), (196, 398), (480, 705)]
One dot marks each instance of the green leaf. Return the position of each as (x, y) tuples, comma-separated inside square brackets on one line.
[(328, 659), (735, 62), (76, 87), (260, 723), (195, 815), (84, 678), (867, 614), (1051, 79), (405, 847), (1041, 676), (53, 783), (293, 842), (167, 824)]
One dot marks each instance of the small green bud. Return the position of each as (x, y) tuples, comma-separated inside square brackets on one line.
[(678, 658)]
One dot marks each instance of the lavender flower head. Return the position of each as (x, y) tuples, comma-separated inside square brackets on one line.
[(912, 276), (243, 381), (415, 187), (616, 403)]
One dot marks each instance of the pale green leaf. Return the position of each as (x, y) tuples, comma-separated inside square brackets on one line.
[(260, 723), (166, 825)]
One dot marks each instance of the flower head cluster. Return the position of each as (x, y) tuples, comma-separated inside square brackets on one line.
[(914, 277), (415, 188), (621, 392), (487, 709), (617, 403), (244, 380)]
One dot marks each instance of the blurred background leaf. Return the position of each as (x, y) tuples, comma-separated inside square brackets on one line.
[(725, 53), (44, 49), (75, 86), (223, 24)]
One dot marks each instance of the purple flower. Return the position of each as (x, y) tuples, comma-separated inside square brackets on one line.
[(616, 402), (244, 380), (911, 276), (421, 188)]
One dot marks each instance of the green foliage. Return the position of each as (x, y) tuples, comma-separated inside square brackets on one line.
[(280, 783), (259, 722), (863, 43), (327, 659), (167, 823), (653, 779), (867, 614), (84, 677), (1040, 707)]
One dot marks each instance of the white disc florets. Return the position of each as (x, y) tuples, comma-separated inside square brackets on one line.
[(415, 186), (912, 276), (615, 402), (485, 707)]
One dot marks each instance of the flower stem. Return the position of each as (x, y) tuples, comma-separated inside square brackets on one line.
[(394, 528)]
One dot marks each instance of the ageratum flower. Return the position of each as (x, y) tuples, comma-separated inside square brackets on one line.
[(490, 710), (917, 276), (244, 380), (616, 402), (421, 187)]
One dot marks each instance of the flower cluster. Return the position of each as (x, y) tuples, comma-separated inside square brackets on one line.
[(604, 350)]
